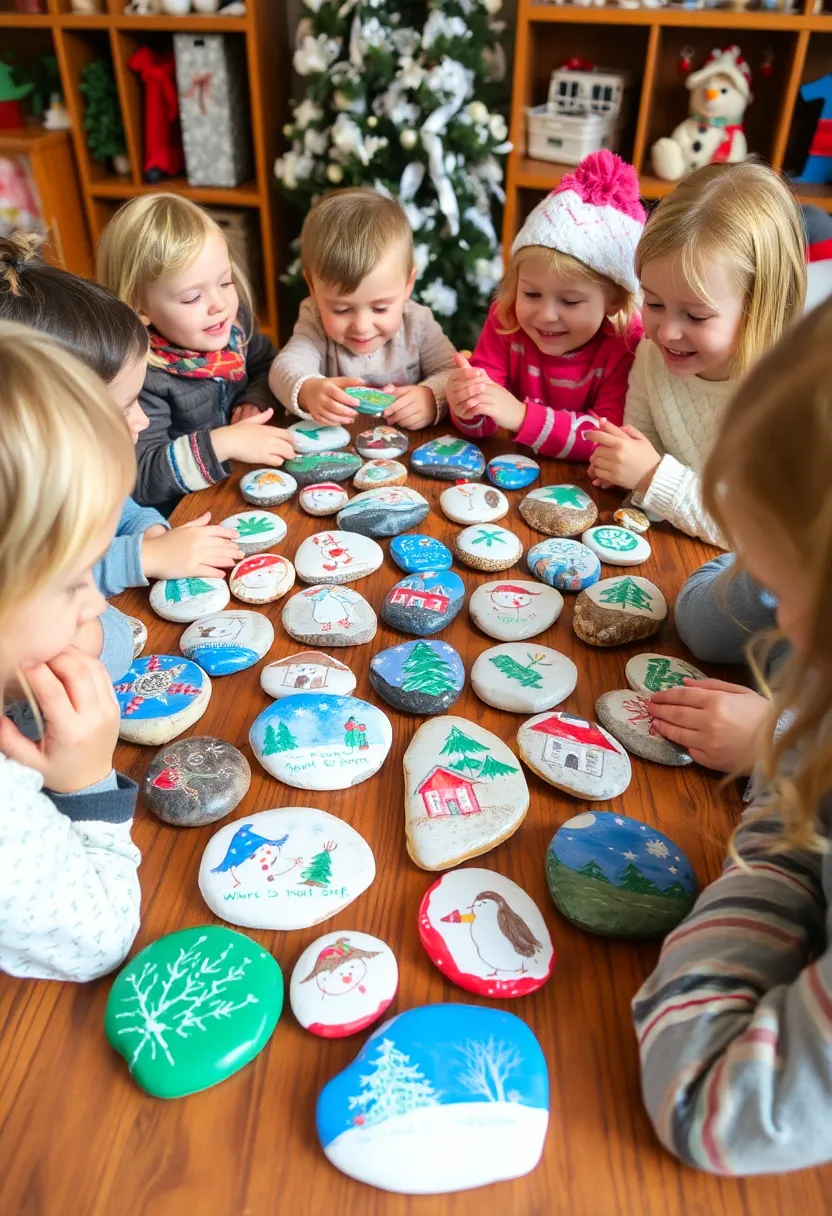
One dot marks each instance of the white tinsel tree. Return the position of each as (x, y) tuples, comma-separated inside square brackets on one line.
[(403, 102)]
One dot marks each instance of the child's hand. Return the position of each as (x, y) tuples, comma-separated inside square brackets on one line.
[(326, 401), (719, 724), (191, 551), (415, 406), (253, 441), (622, 457), (494, 401), (462, 386), (241, 412)]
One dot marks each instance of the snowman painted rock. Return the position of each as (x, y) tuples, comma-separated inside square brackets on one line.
[(423, 677), (329, 616), (512, 472), (160, 696), (648, 673), (187, 599), (564, 564), (619, 610), (626, 716), (195, 781), (488, 547), (323, 466), (267, 487), (632, 518), (424, 603), (472, 503), (257, 530), (262, 579), (563, 510), (616, 546), (228, 641), (514, 611), (382, 442), (307, 671), (342, 983), (309, 436), (323, 498), (523, 679), (384, 512), (337, 557), (574, 755), (417, 553), (376, 474), (713, 132), (138, 631), (448, 458)]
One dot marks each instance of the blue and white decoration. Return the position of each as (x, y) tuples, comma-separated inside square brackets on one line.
[(512, 472), (159, 697), (228, 641), (448, 458), (383, 512), (564, 564), (417, 553)]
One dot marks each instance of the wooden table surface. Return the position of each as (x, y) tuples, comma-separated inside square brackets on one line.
[(77, 1136)]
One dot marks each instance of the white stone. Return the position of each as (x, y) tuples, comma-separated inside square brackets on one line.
[(616, 546), (512, 611), (342, 983), (337, 557), (618, 610), (574, 755), (626, 716), (267, 487), (648, 673), (187, 599), (257, 530), (329, 616), (306, 671), (138, 629), (262, 578), (378, 473), (323, 498), (473, 503), (381, 442), (227, 642), (488, 547), (310, 436), (523, 678)]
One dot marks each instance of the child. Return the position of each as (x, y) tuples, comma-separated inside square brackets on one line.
[(735, 1024), (206, 394), (359, 325), (723, 272), (69, 892), (559, 341)]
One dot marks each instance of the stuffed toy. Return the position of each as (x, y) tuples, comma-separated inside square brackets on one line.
[(719, 94)]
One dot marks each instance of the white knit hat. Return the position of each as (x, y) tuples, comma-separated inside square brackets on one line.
[(728, 61), (595, 215)]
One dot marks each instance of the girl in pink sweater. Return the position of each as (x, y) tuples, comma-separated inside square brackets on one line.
[(557, 347)]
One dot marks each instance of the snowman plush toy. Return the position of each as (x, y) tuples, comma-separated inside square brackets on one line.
[(712, 133)]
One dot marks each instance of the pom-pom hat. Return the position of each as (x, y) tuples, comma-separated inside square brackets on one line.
[(728, 61), (594, 215)]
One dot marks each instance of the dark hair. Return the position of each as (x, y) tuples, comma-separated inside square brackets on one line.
[(89, 320)]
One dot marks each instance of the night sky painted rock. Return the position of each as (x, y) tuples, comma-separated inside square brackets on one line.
[(574, 755), (376, 474), (424, 603), (448, 458), (648, 673), (342, 983), (616, 546), (161, 696), (523, 678), (337, 557), (512, 472), (370, 400), (323, 498), (384, 512), (619, 610), (323, 466), (417, 553), (310, 436), (306, 671), (420, 677), (227, 642), (187, 599), (472, 503), (257, 530), (626, 716), (488, 547), (195, 781), (267, 487), (262, 579), (513, 611), (564, 564), (329, 616), (381, 442), (563, 510)]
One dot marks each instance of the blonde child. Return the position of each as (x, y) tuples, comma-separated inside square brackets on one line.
[(69, 892), (559, 341), (206, 393), (359, 325), (723, 273), (735, 1024)]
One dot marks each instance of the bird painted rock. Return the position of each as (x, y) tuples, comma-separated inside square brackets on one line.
[(381, 442), (378, 474), (384, 512), (619, 610), (516, 610), (257, 530), (227, 642), (424, 603), (564, 564), (195, 781), (306, 671), (310, 436), (267, 487), (160, 697), (342, 983), (329, 616), (469, 502), (337, 557), (616, 546), (523, 678), (187, 599), (262, 579), (512, 472), (422, 677), (417, 553), (488, 547), (448, 458), (563, 510)]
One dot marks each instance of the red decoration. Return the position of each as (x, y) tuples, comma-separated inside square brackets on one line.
[(163, 155), (576, 64), (686, 59), (767, 66), (11, 116)]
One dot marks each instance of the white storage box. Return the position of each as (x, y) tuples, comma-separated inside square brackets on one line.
[(568, 139), (594, 91)]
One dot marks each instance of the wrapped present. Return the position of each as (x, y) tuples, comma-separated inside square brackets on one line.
[(213, 107)]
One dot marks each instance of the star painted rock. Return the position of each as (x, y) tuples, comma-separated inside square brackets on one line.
[(424, 603), (513, 611), (193, 1008), (257, 530), (632, 518), (619, 877), (284, 869), (448, 458), (381, 442), (626, 716), (486, 934), (419, 677), (512, 472), (262, 579), (488, 547), (417, 553), (384, 512), (329, 616), (306, 671), (563, 510), (187, 599), (619, 610), (337, 557), (319, 741), (648, 673), (196, 781), (161, 696), (267, 487), (228, 641), (376, 474), (464, 793), (323, 498), (565, 564), (616, 546), (574, 755), (138, 630), (343, 983), (310, 436), (523, 679), (370, 400), (441, 1098), (472, 503), (323, 466)]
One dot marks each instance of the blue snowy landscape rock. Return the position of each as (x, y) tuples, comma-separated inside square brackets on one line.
[(420, 677), (512, 472), (424, 603), (383, 512), (448, 458), (417, 553), (567, 565)]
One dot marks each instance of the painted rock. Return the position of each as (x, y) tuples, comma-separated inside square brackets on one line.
[(419, 677), (563, 510), (376, 474), (472, 503), (329, 616), (337, 557), (565, 564), (512, 472), (370, 400), (323, 466), (228, 641), (626, 716), (323, 498), (310, 436), (523, 679), (633, 518), (307, 671), (161, 696), (384, 512), (381, 442), (514, 611), (343, 983), (619, 610), (574, 755), (381, 1120), (616, 876), (267, 487), (138, 630), (448, 458), (284, 869), (424, 603), (486, 934), (320, 741), (616, 546), (417, 553), (187, 599), (193, 1008), (649, 673), (488, 547), (195, 781), (262, 579), (465, 793), (257, 530)]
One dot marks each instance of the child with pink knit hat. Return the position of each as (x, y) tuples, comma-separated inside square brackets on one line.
[(557, 346)]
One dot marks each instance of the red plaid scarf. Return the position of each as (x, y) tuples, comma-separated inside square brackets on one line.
[(226, 364)]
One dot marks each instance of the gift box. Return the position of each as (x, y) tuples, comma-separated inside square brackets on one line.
[(213, 108)]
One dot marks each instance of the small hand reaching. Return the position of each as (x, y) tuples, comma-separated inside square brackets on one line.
[(241, 412), (622, 457), (196, 549), (253, 441), (719, 724), (415, 406), (326, 402)]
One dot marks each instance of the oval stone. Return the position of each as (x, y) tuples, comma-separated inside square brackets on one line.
[(138, 631), (513, 611), (376, 474), (632, 518), (257, 530), (262, 579), (565, 564), (424, 603), (562, 510), (267, 487), (337, 557), (323, 498), (196, 781), (619, 610), (448, 458), (512, 472), (381, 442), (227, 642), (626, 716), (523, 679), (370, 400), (488, 547), (160, 696), (384, 512), (310, 436), (187, 599), (418, 553), (648, 673), (342, 983), (616, 546), (323, 466), (574, 755), (307, 671), (419, 677), (472, 503), (329, 616)]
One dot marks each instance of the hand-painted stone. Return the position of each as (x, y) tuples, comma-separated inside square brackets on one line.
[(319, 741), (472, 503), (464, 793), (196, 781), (267, 487), (138, 629), (381, 442), (448, 458), (616, 546), (376, 474), (284, 869), (626, 716), (227, 642), (310, 436), (632, 518), (619, 610), (329, 616), (262, 579), (424, 603), (161, 696), (370, 400), (307, 671), (486, 934), (523, 679), (193, 1008), (187, 599), (574, 755), (419, 677), (418, 553), (384, 512), (323, 466), (512, 472), (488, 547), (323, 498), (565, 564), (563, 510), (513, 611), (619, 877), (257, 530), (628, 505), (337, 557), (441, 1098), (648, 673), (343, 983)]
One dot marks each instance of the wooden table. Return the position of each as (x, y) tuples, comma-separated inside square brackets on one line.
[(78, 1137)]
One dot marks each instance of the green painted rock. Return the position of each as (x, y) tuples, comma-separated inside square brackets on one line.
[(192, 1009), (323, 466)]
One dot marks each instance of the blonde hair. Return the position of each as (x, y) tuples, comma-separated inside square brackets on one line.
[(564, 266), (771, 463), (746, 218), (347, 232)]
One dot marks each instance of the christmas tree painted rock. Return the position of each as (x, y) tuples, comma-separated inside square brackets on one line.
[(448, 458), (323, 466), (619, 877), (512, 472), (196, 781), (257, 530), (343, 983), (309, 436), (488, 547), (329, 616), (323, 498), (420, 677), (370, 400), (307, 671), (441, 1098), (471, 503), (648, 673), (160, 696), (187, 599), (418, 553), (616, 546), (378, 474), (138, 630), (192, 1009), (381, 442), (619, 610), (384, 512), (337, 557), (563, 510), (565, 564), (262, 579), (424, 603), (626, 716), (267, 487), (523, 679), (284, 869), (514, 611), (574, 755), (228, 641)]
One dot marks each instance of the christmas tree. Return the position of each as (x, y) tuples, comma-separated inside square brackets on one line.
[(525, 675), (632, 879), (592, 870), (659, 676), (676, 891), (102, 112), (461, 748), (319, 871), (627, 593), (426, 671), (495, 768), (394, 1088), (280, 740), (177, 589)]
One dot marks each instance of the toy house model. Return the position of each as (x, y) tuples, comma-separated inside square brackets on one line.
[(411, 593), (445, 793), (573, 743), (306, 670)]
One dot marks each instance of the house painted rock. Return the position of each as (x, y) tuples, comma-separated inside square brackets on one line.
[(187, 599), (195, 781), (267, 487), (619, 610), (307, 671), (423, 677), (310, 436), (337, 557), (329, 616), (515, 610), (469, 502), (574, 755), (342, 983), (488, 547), (424, 603), (626, 715), (565, 564), (262, 579), (323, 498), (512, 472), (417, 553), (257, 530), (448, 458), (648, 673), (377, 474), (381, 442), (617, 546), (323, 466), (160, 696), (563, 510), (227, 642), (384, 512), (523, 678)]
